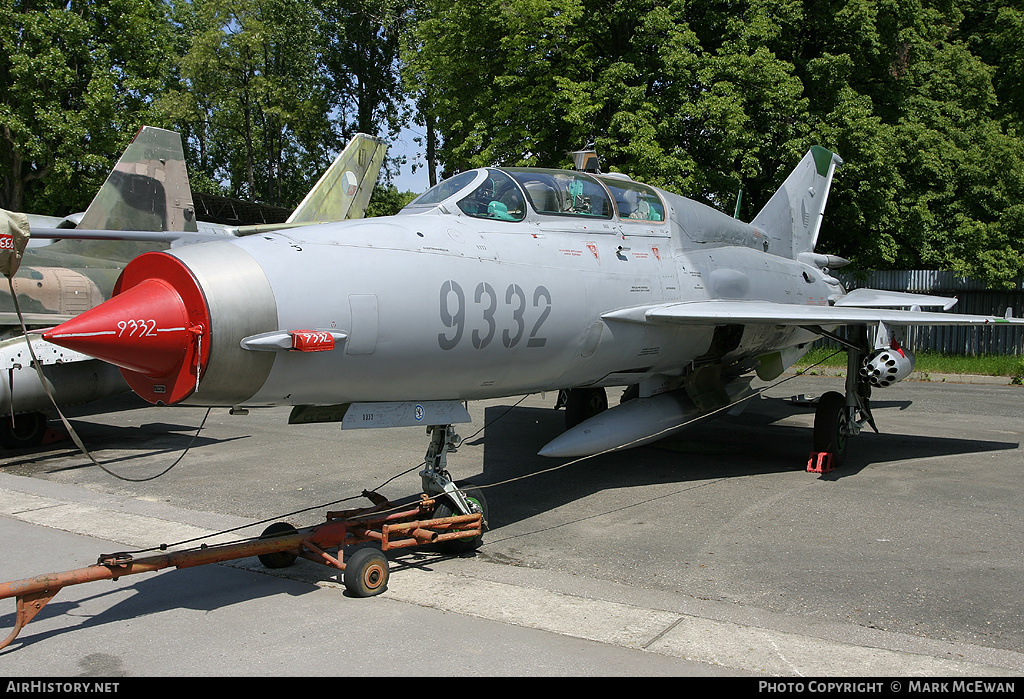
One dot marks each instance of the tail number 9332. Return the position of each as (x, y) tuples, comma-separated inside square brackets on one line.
[(486, 312)]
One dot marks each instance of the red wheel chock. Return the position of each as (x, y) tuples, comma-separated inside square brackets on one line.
[(52, 436), (821, 462)]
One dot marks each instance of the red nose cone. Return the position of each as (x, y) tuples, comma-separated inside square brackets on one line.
[(144, 329), (153, 328)]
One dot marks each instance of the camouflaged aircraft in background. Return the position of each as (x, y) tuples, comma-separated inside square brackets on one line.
[(147, 190)]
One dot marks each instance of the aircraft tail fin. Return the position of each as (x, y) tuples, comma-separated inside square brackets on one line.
[(148, 189), (344, 190), (792, 217)]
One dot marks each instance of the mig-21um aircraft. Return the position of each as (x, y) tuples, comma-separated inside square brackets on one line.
[(71, 264), (508, 281)]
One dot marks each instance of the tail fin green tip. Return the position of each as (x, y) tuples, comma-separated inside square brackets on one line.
[(822, 159)]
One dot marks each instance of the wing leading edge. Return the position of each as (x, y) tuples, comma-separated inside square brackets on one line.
[(746, 312)]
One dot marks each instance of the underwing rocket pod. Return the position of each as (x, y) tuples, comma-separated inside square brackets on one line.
[(885, 367)]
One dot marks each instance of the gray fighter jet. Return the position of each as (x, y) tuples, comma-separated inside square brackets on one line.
[(72, 264), (507, 281)]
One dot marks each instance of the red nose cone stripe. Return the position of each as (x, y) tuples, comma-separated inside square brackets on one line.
[(143, 329), (156, 328)]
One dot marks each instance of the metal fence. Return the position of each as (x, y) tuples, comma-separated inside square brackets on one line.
[(974, 298)]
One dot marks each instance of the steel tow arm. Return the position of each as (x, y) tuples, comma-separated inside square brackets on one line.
[(388, 526)]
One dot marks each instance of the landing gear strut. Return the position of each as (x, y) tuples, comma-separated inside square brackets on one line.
[(840, 416), (581, 404), (461, 498)]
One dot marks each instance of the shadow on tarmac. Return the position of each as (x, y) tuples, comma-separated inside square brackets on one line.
[(204, 589), (732, 446)]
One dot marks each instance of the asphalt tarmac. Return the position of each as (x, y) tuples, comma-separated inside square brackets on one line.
[(714, 553)]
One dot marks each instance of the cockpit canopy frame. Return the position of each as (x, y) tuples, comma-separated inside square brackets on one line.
[(502, 194)]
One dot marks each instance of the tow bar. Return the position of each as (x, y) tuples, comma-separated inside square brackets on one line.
[(365, 573)]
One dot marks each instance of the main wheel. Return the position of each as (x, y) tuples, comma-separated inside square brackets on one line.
[(366, 573), (831, 424), (27, 431), (445, 508), (278, 559), (583, 403)]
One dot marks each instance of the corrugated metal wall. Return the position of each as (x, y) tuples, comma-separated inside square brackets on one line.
[(974, 297)]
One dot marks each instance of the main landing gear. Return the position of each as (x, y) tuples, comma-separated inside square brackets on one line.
[(23, 430), (581, 404), (840, 416)]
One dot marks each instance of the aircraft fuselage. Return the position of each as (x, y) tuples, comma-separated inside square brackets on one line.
[(440, 306), (493, 283)]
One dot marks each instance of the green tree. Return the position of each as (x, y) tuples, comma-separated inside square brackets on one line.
[(252, 99), (922, 98), (361, 58), (78, 79), (269, 90)]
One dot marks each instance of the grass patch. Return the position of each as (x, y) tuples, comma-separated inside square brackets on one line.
[(933, 363)]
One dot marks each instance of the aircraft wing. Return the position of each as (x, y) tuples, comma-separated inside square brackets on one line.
[(744, 312), (10, 319), (172, 237), (877, 298)]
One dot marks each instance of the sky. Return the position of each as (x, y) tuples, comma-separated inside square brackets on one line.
[(407, 180)]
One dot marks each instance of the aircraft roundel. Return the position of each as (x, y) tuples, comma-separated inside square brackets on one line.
[(350, 183)]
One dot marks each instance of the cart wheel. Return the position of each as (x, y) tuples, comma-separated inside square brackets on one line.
[(278, 559), (366, 573), (445, 508)]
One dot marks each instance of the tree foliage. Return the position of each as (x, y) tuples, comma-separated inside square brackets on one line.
[(77, 80), (270, 90), (252, 97), (922, 98)]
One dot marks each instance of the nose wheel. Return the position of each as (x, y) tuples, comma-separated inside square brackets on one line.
[(453, 499)]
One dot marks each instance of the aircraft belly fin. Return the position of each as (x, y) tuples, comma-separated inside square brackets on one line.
[(726, 312)]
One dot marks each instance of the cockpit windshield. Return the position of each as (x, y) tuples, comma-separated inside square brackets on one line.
[(563, 193), (442, 190), (634, 200), (497, 197)]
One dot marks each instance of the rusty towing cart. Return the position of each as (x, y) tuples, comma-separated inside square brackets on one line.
[(365, 572)]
